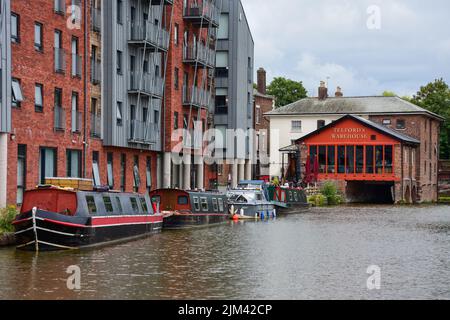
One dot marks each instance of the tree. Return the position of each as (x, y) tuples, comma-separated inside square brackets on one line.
[(435, 97), (286, 91), (389, 94)]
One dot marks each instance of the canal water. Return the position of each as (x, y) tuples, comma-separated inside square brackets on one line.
[(321, 254)]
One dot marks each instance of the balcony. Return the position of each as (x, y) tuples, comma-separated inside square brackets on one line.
[(60, 7), (60, 60), (143, 132), (199, 54), (76, 121), (202, 12), (96, 19), (96, 72), (150, 34), (96, 126), (146, 83), (222, 109), (60, 119), (76, 65), (197, 97)]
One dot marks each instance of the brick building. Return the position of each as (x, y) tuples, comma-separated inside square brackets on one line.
[(263, 103)]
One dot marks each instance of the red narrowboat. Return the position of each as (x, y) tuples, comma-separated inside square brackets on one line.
[(54, 218), (188, 209)]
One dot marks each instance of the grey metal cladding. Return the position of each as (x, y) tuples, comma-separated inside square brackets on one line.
[(5, 72)]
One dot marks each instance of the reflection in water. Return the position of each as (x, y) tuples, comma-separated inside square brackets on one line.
[(320, 254)]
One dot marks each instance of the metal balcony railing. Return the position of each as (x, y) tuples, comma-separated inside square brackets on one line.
[(199, 53), (147, 83), (59, 6), (197, 97), (60, 119), (76, 65), (60, 60), (197, 10), (96, 126), (143, 132), (76, 118), (96, 71), (96, 19), (149, 33)]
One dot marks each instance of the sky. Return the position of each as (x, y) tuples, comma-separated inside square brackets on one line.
[(363, 46)]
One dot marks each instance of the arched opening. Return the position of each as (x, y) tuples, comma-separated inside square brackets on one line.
[(370, 192), (414, 195)]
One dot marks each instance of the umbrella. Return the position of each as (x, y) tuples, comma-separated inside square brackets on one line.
[(316, 169)]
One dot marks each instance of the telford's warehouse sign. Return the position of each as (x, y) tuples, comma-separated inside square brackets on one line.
[(349, 133)]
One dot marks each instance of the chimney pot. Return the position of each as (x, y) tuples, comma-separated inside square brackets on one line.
[(323, 91), (338, 93), (261, 86)]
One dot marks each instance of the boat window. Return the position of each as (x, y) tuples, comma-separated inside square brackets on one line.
[(204, 202), (144, 205), (220, 204), (134, 205), (295, 196), (215, 205), (91, 204), (259, 196), (196, 204), (108, 204), (119, 204), (183, 200)]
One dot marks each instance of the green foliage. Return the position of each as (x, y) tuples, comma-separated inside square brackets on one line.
[(286, 91), (318, 200), (444, 199), (389, 94), (7, 216), (330, 192), (435, 97)]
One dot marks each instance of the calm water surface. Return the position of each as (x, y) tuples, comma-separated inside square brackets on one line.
[(321, 254)]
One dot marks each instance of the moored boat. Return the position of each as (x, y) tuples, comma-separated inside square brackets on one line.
[(55, 218), (188, 209), (288, 200)]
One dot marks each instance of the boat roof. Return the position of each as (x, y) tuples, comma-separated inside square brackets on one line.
[(252, 182)]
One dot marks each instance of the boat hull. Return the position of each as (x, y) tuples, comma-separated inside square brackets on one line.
[(254, 211), (47, 231), (293, 209), (188, 221)]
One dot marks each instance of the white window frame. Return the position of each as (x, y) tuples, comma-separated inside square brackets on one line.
[(296, 128)]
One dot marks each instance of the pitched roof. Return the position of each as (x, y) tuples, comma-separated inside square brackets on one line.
[(378, 127), (352, 105)]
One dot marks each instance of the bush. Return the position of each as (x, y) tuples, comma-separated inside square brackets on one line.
[(330, 191), (317, 200), (7, 216)]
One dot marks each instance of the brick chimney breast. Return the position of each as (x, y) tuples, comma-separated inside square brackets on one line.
[(323, 91), (262, 81)]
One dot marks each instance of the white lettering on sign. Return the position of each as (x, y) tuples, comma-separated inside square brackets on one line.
[(349, 133)]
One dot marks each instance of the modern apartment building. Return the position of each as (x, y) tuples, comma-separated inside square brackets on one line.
[(234, 93), (5, 94)]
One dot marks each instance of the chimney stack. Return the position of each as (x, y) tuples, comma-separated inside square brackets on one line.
[(262, 81), (338, 93), (323, 91)]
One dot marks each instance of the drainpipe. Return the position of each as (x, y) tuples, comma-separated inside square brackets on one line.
[(402, 175), (85, 23)]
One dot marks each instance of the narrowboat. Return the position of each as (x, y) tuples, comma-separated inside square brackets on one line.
[(250, 199), (55, 218), (189, 209), (288, 200)]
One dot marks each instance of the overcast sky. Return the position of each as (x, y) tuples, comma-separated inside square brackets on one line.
[(310, 40)]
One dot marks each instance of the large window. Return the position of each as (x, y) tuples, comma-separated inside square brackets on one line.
[(296, 126), (369, 159), (38, 37), (123, 173), (359, 159), (17, 96), (322, 158), (379, 159), (148, 174), (223, 26), (38, 98), (350, 159), (110, 170), (47, 164), (341, 159), (388, 159), (73, 167), (21, 171), (331, 159), (15, 28)]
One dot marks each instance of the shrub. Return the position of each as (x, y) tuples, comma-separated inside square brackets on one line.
[(317, 200), (7, 216), (330, 191)]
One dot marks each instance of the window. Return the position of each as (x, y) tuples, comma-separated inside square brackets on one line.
[(148, 173), (175, 120), (215, 205), (341, 159), (137, 178), (58, 97), (119, 62), (95, 171), (144, 205), (296, 126), (119, 114), (258, 115), (108, 204), (204, 202), (47, 164), (123, 174), (322, 158), (38, 98), (60, 64), (221, 207), (76, 60), (119, 204), (379, 159), (17, 96), (401, 124), (223, 26), (59, 6), (183, 200), (331, 153), (320, 124), (388, 159), (359, 159), (73, 163), (109, 167), (387, 122), (222, 59), (91, 204), (196, 204), (369, 159), (38, 36), (21, 172), (350, 159), (75, 115), (134, 205), (176, 78), (15, 28), (119, 11), (175, 33)]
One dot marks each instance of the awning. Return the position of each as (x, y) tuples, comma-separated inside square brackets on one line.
[(290, 149)]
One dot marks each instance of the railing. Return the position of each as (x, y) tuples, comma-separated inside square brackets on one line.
[(96, 71), (76, 120), (147, 83), (60, 60), (60, 6), (202, 9), (143, 132), (60, 119), (150, 33), (199, 53), (96, 126), (96, 19), (197, 97), (76, 65)]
